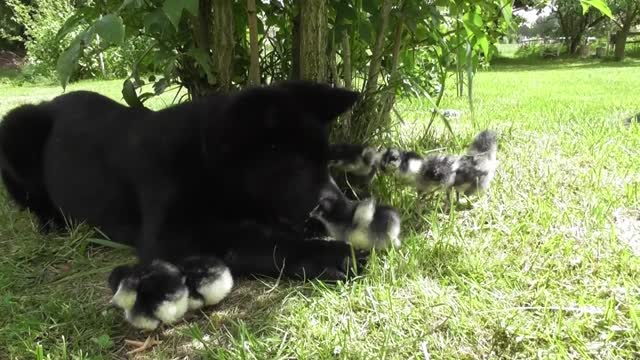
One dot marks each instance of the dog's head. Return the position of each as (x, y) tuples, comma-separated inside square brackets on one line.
[(278, 140)]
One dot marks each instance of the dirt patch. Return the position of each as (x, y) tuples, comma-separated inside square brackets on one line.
[(627, 224), (10, 59)]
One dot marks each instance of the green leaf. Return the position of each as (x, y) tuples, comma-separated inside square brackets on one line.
[(204, 60), (473, 22), (86, 14), (191, 6), (69, 58), (126, 3), (371, 6), (67, 62), (111, 29), (69, 25), (103, 341), (156, 22), (129, 94), (365, 29), (484, 45), (598, 4), (507, 10), (345, 14), (173, 9), (109, 243)]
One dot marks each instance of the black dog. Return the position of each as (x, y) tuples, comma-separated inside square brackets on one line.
[(230, 175)]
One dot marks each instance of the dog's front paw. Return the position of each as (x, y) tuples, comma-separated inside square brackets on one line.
[(150, 294)]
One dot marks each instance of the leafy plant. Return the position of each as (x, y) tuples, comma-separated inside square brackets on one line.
[(381, 48)]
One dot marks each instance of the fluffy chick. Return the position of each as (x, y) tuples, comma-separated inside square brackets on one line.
[(467, 173), (477, 168), (208, 279), (406, 164), (149, 294), (360, 223), (359, 160)]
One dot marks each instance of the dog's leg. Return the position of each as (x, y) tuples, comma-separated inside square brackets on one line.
[(154, 204), (257, 249)]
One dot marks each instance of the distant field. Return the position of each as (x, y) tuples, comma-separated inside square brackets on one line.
[(545, 267)]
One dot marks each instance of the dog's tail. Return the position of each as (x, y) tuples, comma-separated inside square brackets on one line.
[(23, 134), (484, 145)]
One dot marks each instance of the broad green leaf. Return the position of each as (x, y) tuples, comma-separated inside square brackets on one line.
[(156, 22), (365, 29), (598, 4), (204, 60), (111, 29), (191, 6), (421, 33), (129, 94), (371, 6), (126, 3), (345, 14), (69, 58), (484, 45), (67, 62), (69, 25), (86, 14), (473, 22), (173, 9), (507, 10)]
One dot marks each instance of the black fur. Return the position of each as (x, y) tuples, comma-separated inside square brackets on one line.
[(21, 162), (230, 175)]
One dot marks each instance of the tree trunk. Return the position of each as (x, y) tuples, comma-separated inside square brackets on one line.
[(341, 131), (103, 70), (201, 23), (223, 42), (189, 71), (365, 115), (295, 43), (331, 53), (376, 57), (346, 60), (394, 78), (575, 43), (620, 45), (313, 40), (254, 66)]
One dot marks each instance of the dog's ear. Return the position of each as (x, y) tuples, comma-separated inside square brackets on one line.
[(326, 102)]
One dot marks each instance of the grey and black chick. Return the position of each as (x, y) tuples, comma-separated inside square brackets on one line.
[(438, 172), (477, 168), (363, 224), (406, 164), (465, 173), (208, 279), (149, 294), (359, 160)]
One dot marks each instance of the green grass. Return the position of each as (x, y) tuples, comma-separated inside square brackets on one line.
[(538, 269)]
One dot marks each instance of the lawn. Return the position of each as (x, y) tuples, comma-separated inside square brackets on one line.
[(546, 266)]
